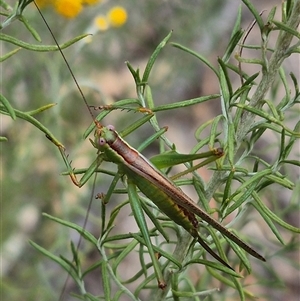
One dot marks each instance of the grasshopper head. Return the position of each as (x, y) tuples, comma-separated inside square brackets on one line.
[(104, 136)]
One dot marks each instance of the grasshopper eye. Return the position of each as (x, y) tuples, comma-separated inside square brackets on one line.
[(111, 127), (102, 141)]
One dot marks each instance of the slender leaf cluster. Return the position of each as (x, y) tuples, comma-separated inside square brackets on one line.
[(243, 184)]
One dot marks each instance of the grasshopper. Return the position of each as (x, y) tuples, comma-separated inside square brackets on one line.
[(155, 185)]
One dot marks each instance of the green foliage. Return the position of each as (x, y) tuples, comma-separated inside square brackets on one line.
[(258, 129)]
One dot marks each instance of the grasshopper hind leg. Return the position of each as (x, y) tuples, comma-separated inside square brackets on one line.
[(194, 232)]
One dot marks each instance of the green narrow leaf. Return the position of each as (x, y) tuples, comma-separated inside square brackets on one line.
[(105, 281), (273, 216), (142, 252), (41, 48), (218, 154), (215, 266), (90, 297), (255, 13), (225, 87), (240, 253), (5, 5), (151, 139), (293, 162), (159, 251), (35, 122), (241, 94), (93, 267), (30, 28), (287, 150), (296, 85), (286, 28), (172, 158), (217, 241), (41, 109), (231, 139), (66, 266), (239, 112), (239, 72), (135, 74), (202, 127), (155, 222), (214, 133), (8, 107), (144, 284), (272, 108), (140, 219), (114, 213), (154, 57), (75, 255), (243, 198), (9, 54), (202, 143), (79, 229), (285, 99), (281, 181), (227, 190), (239, 288), (22, 5), (288, 8), (266, 116), (247, 188), (123, 254), (202, 199), (139, 274), (197, 55), (271, 15), (185, 103), (110, 190), (269, 222), (232, 45), (224, 279), (132, 127), (149, 98), (237, 24)]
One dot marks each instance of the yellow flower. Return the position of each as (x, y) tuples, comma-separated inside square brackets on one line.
[(117, 16), (68, 8), (90, 2), (101, 22)]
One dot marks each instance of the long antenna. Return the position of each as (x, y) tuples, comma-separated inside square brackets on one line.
[(68, 66), (97, 125)]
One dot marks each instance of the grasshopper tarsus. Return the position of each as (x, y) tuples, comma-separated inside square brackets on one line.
[(74, 180), (100, 108), (144, 110)]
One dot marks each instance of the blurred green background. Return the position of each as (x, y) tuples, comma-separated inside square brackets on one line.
[(31, 180)]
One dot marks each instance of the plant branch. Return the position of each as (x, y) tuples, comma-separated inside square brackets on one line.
[(247, 119), (268, 77)]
